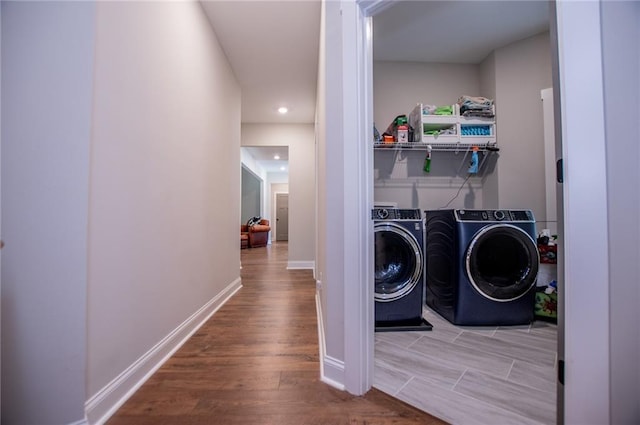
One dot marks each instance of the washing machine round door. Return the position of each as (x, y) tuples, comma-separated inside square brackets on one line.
[(502, 262), (398, 261)]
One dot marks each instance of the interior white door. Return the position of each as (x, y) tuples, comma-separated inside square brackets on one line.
[(282, 216)]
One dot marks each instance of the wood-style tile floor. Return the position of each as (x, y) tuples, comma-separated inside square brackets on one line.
[(472, 375), (256, 361)]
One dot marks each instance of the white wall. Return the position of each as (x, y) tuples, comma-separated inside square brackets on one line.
[(47, 70), (165, 158), (250, 162), (302, 211)]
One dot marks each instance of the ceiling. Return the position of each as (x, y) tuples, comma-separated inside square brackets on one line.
[(265, 157), (272, 46), (462, 32)]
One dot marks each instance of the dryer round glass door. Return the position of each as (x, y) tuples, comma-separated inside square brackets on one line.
[(502, 262), (398, 261)]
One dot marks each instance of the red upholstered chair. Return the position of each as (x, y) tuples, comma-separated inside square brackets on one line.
[(244, 236), (259, 234)]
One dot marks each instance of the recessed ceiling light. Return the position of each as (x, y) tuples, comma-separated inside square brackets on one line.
[(283, 110), (276, 156)]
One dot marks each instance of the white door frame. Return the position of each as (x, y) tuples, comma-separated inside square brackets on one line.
[(357, 71)]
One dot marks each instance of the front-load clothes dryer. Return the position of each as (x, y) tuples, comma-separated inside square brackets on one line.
[(481, 266), (399, 269)]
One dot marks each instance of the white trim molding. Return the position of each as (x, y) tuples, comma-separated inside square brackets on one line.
[(84, 421), (357, 102), (331, 369), (102, 405), (301, 265)]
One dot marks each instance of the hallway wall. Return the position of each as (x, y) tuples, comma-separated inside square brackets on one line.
[(164, 206), (117, 115), (47, 69)]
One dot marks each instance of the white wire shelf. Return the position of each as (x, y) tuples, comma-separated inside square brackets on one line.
[(438, 147)]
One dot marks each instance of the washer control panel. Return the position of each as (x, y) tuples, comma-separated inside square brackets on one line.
[(395, 214), (494, 215)]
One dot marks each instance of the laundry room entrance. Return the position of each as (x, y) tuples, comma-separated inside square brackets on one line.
[(472, 166)]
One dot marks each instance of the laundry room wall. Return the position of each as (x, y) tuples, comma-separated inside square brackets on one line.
[(522, 70), (513, 76), (490, 183), (397, 88)]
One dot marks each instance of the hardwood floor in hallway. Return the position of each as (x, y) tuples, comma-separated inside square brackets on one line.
[(256, 361)]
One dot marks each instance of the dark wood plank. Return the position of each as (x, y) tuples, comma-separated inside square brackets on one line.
[(256, 361)]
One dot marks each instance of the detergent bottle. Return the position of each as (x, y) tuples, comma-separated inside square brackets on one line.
[(473, 168)]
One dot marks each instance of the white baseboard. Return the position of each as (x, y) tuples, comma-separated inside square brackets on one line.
[(84, 421), (301, 265), (101, 406), (331, 369)]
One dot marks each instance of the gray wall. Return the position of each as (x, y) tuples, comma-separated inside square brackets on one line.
[(399, 86), (490, 181), (300, 138), (251, 196), (522, 69), (47, 70)]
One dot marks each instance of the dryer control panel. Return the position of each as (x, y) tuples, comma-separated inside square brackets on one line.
[(494, 215), (395, 214)]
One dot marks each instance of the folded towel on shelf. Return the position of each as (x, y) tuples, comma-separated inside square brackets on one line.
[(476, 106), (475, 100)]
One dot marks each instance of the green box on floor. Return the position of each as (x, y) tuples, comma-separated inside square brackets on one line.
[(546, 305)]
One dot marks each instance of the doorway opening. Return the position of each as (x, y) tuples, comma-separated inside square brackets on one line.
[(269, 165), (432, 73)]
